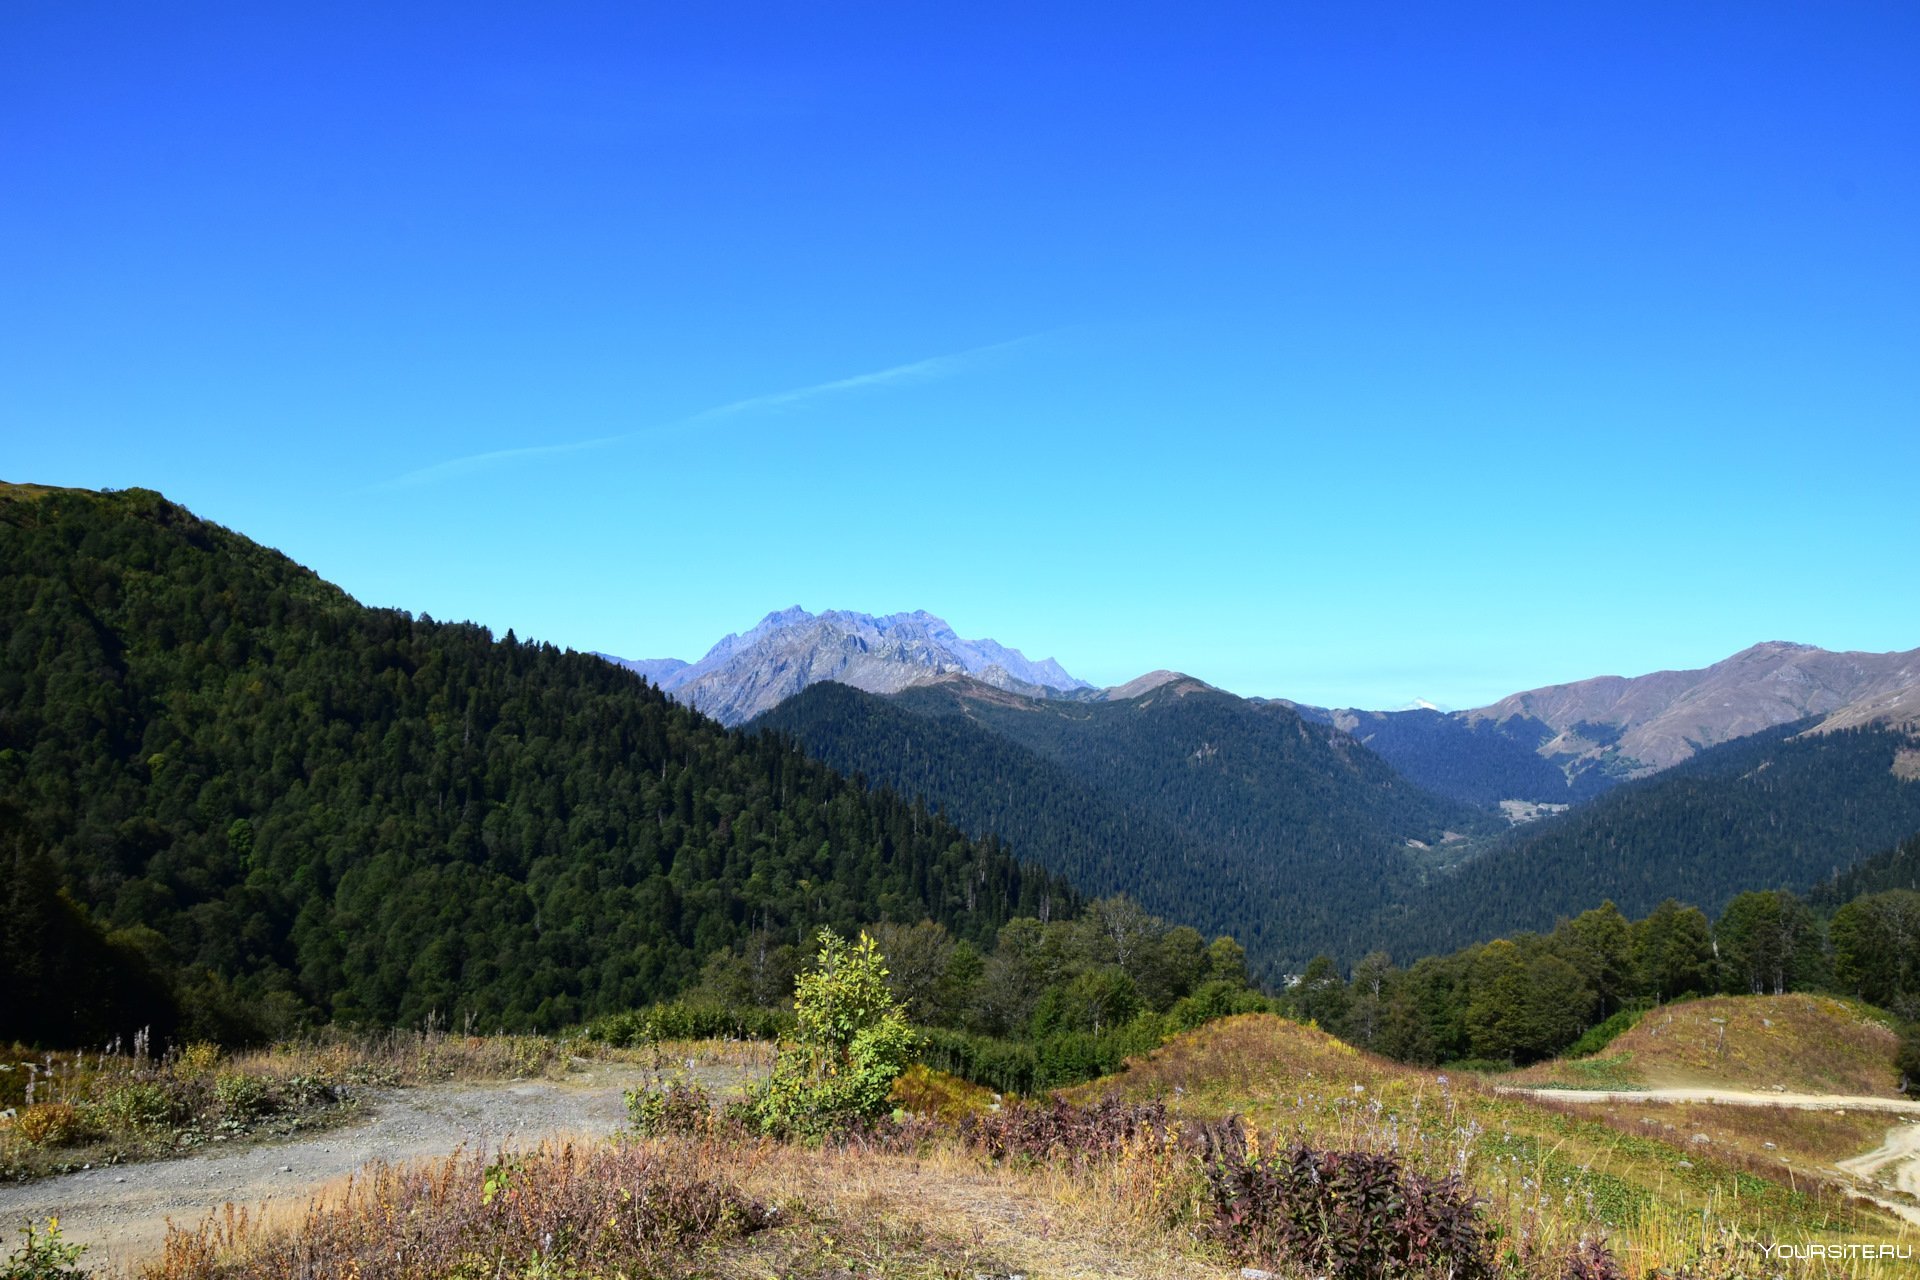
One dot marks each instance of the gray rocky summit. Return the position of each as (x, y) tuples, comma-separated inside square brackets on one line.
[(790, 649)]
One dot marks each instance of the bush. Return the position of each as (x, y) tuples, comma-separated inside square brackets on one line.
[(1599, 1037), (681, 1021), (1053, 1062), (243, 1098), (851, 1042), (140, 1106), (677, 1109), (937, 1095), (1005, 1066), (1348, 1215), (1058, 1130), (1590, 1260), (43, 1256), (309, 1089), (196, 1060), (48, 1124)]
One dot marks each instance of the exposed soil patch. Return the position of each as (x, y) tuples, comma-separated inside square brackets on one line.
[(122, 1211)]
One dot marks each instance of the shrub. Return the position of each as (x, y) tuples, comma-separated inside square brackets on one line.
[(1348, 1215), (1590, 1260), (140, 1106), (1058, 1130), (1056, 1060), (43, 1256), (851, 1042), (1005, 1066), (309, 1089), (1599, 1037), (196, 1060), (681, 1021), (48, 1124), (677, 1109), (937, 1095), (242, 1098)]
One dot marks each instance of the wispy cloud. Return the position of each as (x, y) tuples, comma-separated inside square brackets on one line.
[(919, 371)]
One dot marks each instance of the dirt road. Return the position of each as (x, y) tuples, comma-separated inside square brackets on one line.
[(1898, 1158), (1735, 1097), (122, 1212)]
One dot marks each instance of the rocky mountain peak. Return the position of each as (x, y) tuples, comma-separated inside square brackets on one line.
[(789, 649)]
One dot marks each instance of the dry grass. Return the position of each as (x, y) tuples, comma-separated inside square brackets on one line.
[(1795, 1043), (741, 1207), (1780, 1142), (927, 1204), (566, 1209), (1549, 1175), (111, 1107)]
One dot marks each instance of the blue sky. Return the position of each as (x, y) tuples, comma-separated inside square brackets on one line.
[(1346, 353)]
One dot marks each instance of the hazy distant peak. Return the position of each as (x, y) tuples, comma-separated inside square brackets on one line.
[(656, 670), (790, 649), (1643, 723)]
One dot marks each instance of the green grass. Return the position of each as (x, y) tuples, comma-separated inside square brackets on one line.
[(1795, 1043), (1545, 1172)]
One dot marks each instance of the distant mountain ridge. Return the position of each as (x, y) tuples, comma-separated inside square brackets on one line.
[(1570, 742), (1233, 815), (792, 649), (1642, 724)]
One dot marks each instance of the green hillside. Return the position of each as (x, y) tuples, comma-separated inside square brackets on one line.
[(1894, 868), (1774, 810), (234, 798), (1233, 816), (1480, 762)]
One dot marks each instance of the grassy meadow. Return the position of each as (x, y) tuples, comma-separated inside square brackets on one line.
[(1796, 1043)]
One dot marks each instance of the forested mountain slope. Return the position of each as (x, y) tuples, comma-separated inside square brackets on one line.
[(992, 785), (1233, 816), (289, 805), (1479, 762), (1895, 868), (1774, 810)]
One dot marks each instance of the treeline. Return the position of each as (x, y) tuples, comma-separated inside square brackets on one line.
[(1535, 995), (237, 801), (1046, 1003)]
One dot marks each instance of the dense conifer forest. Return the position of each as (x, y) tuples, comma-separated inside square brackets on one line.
[(1776, 810), (236, 800), (1233, 816), (1895, 868), (1479, 763)]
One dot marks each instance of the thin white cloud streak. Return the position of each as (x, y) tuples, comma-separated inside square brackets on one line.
[(480, 461), (918, 371)]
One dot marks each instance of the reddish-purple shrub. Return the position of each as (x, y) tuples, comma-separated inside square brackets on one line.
[(1058, 1130), (1590, 1260), (1353, 1215)]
